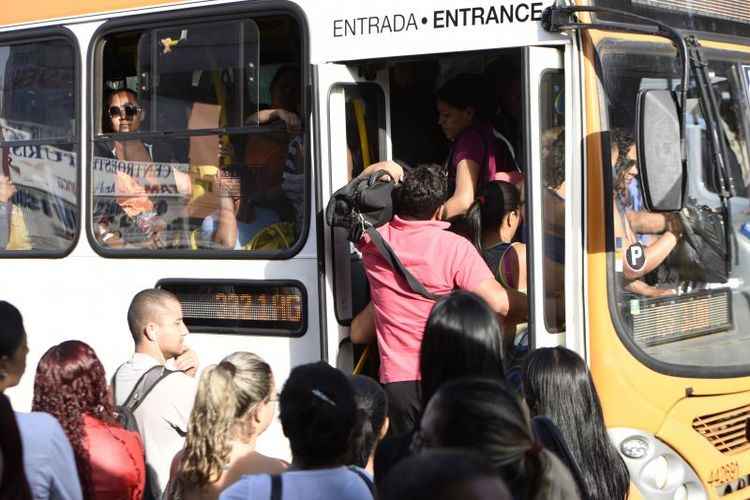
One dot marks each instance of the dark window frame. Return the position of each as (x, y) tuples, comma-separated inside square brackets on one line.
[(166, 283), (200, 14), (28, 36)]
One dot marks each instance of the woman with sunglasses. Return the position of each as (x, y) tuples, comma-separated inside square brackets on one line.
[(638, 259), (234, 405), (133, 220)]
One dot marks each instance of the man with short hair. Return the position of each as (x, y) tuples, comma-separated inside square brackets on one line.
[(155, 321), (442, 261)]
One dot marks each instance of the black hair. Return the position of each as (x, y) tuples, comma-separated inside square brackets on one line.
[(372, 404), (621, 141), (487, 416), (318, 414), (145, 306), (282, 71), (11, 329), (486, 213), (554, 162), (423, 190), (13, 483), (462, 338), (436, 475), (556, 383), (469, 90)]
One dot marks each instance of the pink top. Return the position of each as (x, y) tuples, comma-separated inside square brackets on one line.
[(442, 261), (471, 144), (118, 471)]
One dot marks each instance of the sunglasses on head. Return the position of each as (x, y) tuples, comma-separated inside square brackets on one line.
[(129, 110)]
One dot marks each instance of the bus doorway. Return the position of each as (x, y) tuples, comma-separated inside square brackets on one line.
[(380, 110)]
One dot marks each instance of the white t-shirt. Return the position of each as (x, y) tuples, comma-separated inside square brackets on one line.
[(162, 416), (340, 483), (48, 458)]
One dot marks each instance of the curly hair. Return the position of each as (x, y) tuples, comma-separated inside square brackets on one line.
[(69, 383), (226, 393), (424, 189)]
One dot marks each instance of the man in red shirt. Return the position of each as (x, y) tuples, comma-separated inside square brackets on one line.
[(442, 261)]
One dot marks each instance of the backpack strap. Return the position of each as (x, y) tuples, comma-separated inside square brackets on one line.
[(145, 385), (386, 251), (276, 487), (114, 382), (365, 478)]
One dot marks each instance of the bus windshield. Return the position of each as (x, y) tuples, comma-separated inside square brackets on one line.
[(679, 280)]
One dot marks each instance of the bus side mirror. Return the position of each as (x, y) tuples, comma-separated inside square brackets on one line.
[(659, 153)]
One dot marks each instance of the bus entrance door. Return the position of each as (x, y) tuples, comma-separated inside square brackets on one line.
[(353, 132)]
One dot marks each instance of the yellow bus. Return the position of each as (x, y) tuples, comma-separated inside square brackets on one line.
[(261, 109)]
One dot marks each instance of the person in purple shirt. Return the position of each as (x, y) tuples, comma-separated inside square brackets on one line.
[(477, 152)]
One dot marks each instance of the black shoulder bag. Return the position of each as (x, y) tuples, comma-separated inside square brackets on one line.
[(363, 205)]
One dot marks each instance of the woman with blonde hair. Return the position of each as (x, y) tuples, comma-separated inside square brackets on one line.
[(234, 405)]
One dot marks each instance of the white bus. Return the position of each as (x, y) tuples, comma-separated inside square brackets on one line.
[(267, 107)]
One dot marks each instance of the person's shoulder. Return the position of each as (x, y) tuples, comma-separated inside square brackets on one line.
[(38, 421), (129, 438), (257, 463), (248, 486), (180, 379), (42, 431), (469, 136), (455, 241)]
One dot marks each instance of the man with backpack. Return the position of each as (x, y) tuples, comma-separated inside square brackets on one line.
[(159, 398), (429, 262)]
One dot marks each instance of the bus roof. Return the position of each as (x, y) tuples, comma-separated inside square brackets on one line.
[(23, 11), (344, 31)]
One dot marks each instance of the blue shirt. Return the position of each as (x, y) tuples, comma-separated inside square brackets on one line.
[(48, 458), (264, 217), (318, 484)]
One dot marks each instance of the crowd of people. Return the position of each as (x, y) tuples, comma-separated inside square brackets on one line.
[(460, 408), (160, 429)]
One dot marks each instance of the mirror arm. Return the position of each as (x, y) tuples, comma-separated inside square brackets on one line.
[(718, 145), (556, 19)]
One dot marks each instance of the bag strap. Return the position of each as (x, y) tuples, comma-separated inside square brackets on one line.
[(365, 478), (276, 487), (512, 151), (114, 383), (144, 386), (390, 256)]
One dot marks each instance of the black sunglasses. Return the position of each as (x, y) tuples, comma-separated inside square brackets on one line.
[(128, 109)]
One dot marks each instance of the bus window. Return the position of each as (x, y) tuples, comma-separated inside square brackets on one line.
[(678, 296), (552, 123), (201, 144), (38, 148)]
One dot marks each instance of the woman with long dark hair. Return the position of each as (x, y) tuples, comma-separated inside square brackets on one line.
[(487, 417), (462, 338), (13, 483), (557, 384), (70, 385), (48, 460)]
